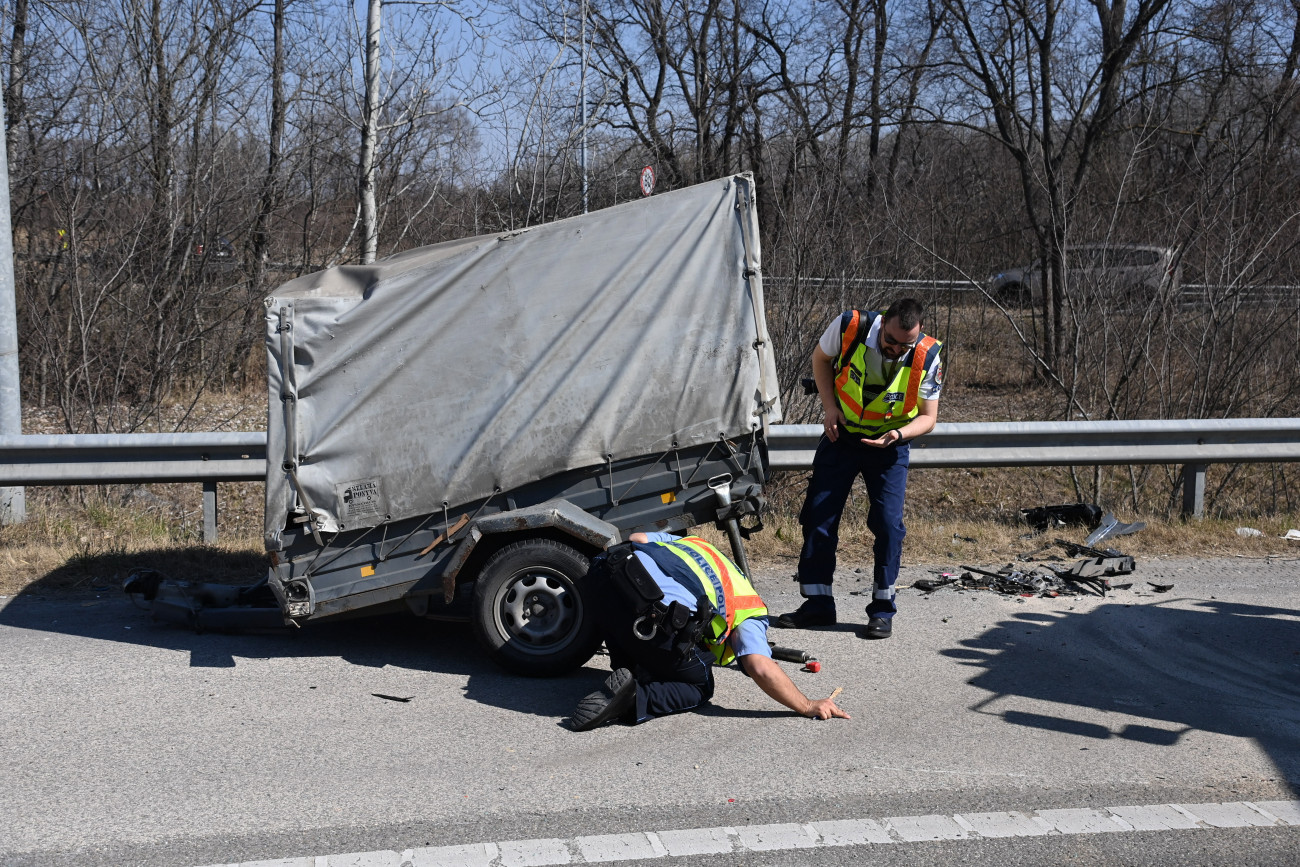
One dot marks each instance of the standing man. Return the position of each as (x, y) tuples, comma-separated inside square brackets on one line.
[(669, 610), (879, 380)]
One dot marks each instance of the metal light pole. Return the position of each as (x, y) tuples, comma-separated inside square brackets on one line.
[(13, 501), (582, 86)]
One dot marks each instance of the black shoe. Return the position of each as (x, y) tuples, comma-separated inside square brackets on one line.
[(878, 627), (812, 612), (617, 695)]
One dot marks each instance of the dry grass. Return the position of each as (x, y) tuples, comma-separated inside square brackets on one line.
[(89, 539), (85, 544)]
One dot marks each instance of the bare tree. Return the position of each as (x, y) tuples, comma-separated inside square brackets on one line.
[(1049, 85)]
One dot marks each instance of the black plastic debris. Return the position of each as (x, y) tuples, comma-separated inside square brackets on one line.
[(1111, 527), (392, 697), (1012, 581), (1101, 567), (1091, 574), (205, 606), (1160, 588), (1085, 551), (929, 585), (1069, 514), (959, 538)]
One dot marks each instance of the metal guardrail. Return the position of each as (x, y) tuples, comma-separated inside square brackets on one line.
[(113, 459), (209, 458), (1194, 443), (1078, 443), (106, 459)]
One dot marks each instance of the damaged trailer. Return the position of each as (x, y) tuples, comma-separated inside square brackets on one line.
[(456, 430)]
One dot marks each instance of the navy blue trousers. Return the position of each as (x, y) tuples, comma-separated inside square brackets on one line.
[(835, 467), (665, 684)]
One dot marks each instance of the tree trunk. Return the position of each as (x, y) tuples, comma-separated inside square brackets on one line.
[(370, 135), (14, 105), (271, 185)]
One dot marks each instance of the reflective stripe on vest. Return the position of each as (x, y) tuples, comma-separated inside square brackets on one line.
[(729, 592), (848, 388)]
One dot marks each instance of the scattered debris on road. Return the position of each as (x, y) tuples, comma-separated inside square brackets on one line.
[(205, 606), (1042, 518), (1111, 527), (392, 697), (1089, 575)]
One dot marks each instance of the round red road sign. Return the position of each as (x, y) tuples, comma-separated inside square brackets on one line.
[(647, 180)]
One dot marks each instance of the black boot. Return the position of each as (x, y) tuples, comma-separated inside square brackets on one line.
[(815, 611), (617, 695), (878, 627)]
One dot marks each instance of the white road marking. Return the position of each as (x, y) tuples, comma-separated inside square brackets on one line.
[(534, 853), (619, 847), (768, 838), (651, 845), (1287, 811), (696, 841), (1237, 814), (473, 855), (851, 832), (914, 829), (1082, 821), (1160, 817), (1001, 825)]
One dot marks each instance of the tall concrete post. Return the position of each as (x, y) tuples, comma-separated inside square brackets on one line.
[(13, 501)]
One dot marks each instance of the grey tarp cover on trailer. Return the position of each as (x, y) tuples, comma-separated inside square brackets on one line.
[(449, 372)]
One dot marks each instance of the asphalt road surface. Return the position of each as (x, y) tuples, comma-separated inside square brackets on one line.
[(1140, 728)]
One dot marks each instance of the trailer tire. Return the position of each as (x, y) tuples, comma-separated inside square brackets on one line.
[(529, 612)]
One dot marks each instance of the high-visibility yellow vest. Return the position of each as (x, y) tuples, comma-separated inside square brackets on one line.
[(897, 401), (724, 586)]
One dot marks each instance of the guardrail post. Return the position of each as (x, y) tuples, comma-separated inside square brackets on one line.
[(1194, 491), (209, 512)]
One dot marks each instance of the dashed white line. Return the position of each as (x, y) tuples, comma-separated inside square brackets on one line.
[(1002, 824), (1084, 821), (651, 845)]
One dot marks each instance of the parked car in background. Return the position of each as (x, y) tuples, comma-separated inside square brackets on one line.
[(1126, 271)]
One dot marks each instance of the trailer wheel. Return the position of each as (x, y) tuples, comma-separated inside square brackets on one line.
[(528, 608)]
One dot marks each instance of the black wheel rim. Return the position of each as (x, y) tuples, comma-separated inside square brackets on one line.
[(537, 611)]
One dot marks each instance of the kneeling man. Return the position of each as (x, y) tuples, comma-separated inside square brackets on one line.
[(669, 610)]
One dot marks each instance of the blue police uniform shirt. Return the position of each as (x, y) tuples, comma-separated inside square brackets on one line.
[(749, 637)]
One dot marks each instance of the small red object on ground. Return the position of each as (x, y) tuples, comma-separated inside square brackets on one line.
[(814, 666)]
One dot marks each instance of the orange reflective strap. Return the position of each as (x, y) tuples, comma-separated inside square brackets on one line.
[(918, 372), (746, 602), (842, 392), (846, 339), (845, 364)]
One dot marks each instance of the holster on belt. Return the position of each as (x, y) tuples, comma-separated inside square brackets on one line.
[(650, 616)]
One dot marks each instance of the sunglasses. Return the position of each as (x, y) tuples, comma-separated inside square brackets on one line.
[(891, 342)]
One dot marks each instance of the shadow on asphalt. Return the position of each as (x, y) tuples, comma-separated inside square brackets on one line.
[(99, 611), (106, 570), (1187, 664)]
